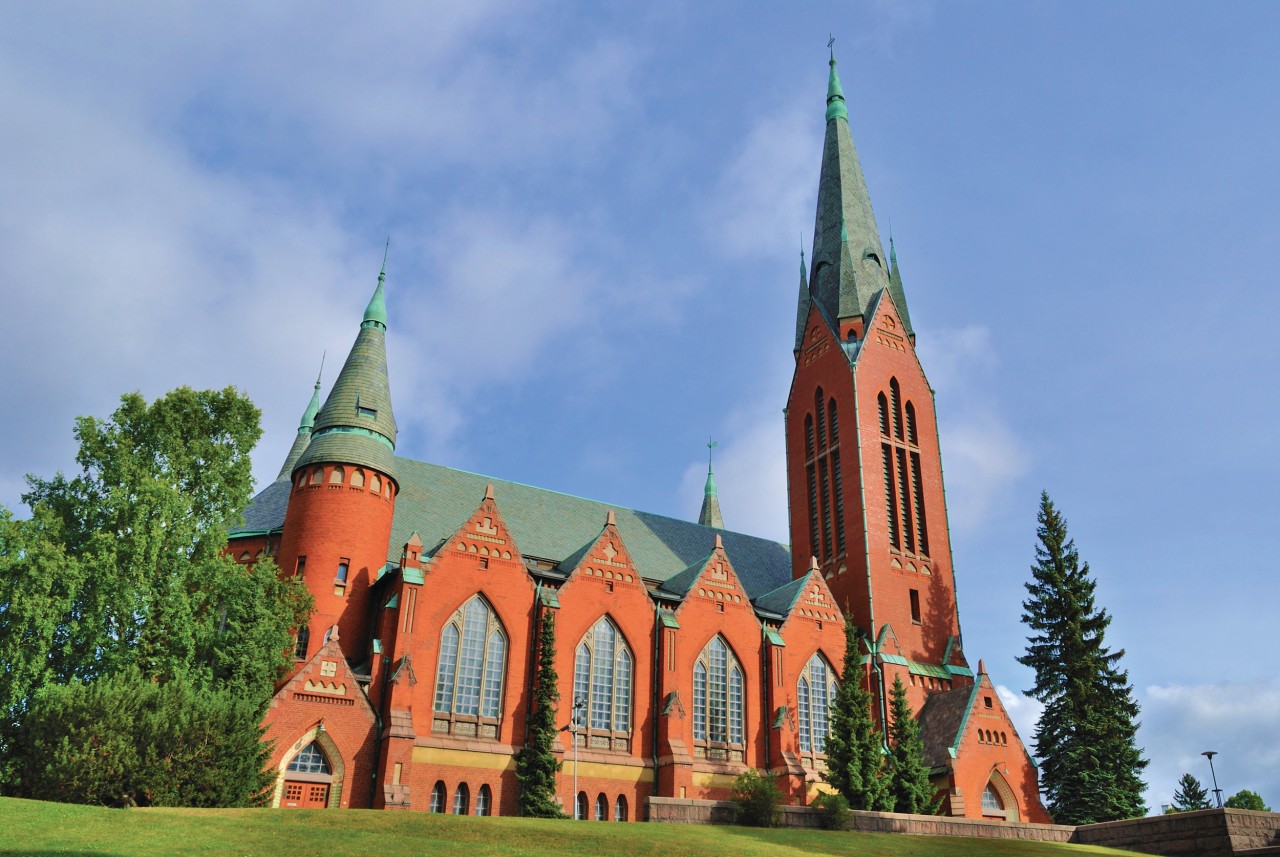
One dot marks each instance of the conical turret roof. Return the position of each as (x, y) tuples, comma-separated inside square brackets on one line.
[(303, 438), (356, 424)]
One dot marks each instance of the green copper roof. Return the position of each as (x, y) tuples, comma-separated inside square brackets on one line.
[(895, 289), (710, 515), (376, 311), (802, 302), (303, 437), (835, 95), (849, 264), (356, 424)]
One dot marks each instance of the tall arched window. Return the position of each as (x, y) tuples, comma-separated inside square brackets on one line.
[(814, 692), (484, 801), (602, 672), (437, 797), (473, 651), (461, 799), (602, 807), (903, 485), (620, 809), (580, 806), (717, 695)]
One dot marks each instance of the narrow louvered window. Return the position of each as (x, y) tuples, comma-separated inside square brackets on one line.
[(825, 493), (895, 407), (922, 531), (808, 436), (833, 422), (813, 511), (911, 425), (908, 531), (839, 494), (821, 420), (884, 414), (891, 508)]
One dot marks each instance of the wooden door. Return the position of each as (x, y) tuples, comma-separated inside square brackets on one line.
[(305, 795)]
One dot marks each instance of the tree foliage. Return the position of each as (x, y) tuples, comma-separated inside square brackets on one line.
[(758, 799), (909, 784), (1086, 738), (1246, 799), (126, 741), (1190, 795), (855, 753), (121, 567), (536, 763)]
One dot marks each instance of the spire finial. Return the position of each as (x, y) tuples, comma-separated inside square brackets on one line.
[(375, 314), (710, 490), (835, 95), (320, 374)]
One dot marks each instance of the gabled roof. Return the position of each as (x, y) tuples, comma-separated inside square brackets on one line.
[(780, 601), (679, 585), (942, 719), (435, 501)]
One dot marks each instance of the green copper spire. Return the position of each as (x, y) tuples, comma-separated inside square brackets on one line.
[(835, 95), (895, 288), (848, 266), (710, 515), (303, 439), (802, 303), (356, 424)]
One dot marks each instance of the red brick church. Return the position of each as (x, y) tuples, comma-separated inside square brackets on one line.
[(689, 652)]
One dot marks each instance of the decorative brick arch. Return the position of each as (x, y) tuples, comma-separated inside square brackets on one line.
[(1007, 797), (332, 754)]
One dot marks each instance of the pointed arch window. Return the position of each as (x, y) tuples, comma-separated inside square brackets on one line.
[(469, 675), (602, 672), (310, 760), (824, 480), (903, 484), (991, 803), (814, 692), (718, 699)]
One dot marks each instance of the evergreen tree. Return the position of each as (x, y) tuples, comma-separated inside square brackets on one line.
[(1086, 739), (536, 763), (1190, 795), (855, 752), (908, 776)]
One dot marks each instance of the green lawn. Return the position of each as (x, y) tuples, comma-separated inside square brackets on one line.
[(49, 829)]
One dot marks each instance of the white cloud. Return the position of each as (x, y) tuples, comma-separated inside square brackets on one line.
[(1023, 711), (765, 201)]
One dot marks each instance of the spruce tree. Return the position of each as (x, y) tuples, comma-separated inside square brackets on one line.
[(855, 755), (1091, 765), (909, 783), (536, 763), (1190, 795)]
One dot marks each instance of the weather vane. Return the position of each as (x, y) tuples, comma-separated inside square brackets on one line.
[(830, 42), (711, 444)]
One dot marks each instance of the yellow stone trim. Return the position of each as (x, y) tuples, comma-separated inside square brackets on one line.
[(464, 758), (706, 780), (610, 771)]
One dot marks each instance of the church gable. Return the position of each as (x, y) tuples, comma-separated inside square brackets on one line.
[(711, 582), (482, 543), (325, 679), (605, 562), (812, 606)]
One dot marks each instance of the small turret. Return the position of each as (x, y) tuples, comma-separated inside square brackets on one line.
[(305, 425)]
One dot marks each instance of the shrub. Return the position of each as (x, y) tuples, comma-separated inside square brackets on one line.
[(835, 811), (758, 799)]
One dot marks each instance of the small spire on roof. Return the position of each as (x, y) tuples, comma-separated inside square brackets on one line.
[(488, 491), (376, 311), (710, 515), (610, 520)]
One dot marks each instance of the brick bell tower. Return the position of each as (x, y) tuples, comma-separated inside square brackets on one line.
[(342, 499), (863, 467)]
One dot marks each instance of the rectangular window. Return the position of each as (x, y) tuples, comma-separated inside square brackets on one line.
[(343, 565), (367, 413), (301, 567), (915, 606)]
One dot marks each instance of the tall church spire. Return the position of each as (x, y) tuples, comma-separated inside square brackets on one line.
[(849, 265), (356, 425), (802, 303), (305, 425)]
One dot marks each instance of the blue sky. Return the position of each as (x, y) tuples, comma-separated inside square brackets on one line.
[(596, 217)]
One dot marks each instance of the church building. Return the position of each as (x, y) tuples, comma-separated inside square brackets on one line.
[(687, 653)]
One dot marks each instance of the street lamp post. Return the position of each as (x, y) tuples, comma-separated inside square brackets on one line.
[(1217, 792), (579, 706)]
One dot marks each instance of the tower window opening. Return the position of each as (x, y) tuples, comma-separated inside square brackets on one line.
[(922, 531), (343, 566), (912, 437), (895, 407), (891, 507), (820, 419), (813, 511), (884, 414), (337, 476), (808, 435), (904, 494), (915, 605), (367, 413), (300, 645), (826, 507), (833, 423), (839, 496)]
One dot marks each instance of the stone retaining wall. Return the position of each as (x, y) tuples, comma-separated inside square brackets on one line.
[(1207, 833)]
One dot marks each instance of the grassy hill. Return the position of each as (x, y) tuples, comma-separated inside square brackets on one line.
[(61, 830)]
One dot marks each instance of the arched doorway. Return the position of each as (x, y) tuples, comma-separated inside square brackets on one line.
[(311, 776), (998, 800)]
